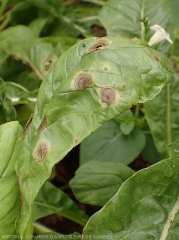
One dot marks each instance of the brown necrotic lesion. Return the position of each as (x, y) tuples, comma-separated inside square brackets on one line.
[(83, 80), (108, 95), (101, 43), (41, 151), (42, 125)]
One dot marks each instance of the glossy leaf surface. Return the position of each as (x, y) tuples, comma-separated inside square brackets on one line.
[(96, 182), (145, 207), (109, 144)]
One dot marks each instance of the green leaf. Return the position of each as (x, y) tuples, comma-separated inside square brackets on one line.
[(126, 121), (126, 18), (95, 182), (9, 110), (37, 25), (12, 38), (163, 117), (145, 207), (51, 200), (9, 189), (18, 94), (94, 81), (109, 144), (150, 153)]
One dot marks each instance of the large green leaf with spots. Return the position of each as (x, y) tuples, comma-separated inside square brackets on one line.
[(145, 207), (94, 81)]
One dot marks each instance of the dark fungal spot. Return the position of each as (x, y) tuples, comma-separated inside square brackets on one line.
[(101, 43), (83, 45), (105, 69), (27, 126), (83, 80), (41, 151), (155, 57), (42, 125), (108, 95)]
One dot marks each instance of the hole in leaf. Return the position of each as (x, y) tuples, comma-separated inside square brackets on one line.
[(99, 45)]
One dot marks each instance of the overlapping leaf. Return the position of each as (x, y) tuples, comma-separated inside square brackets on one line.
[(96, 182), (110, 144), (57, 202)]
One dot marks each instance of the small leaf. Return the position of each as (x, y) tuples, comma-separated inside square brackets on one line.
[(96, 182), (126, 121), (110, 144), (57, 202)]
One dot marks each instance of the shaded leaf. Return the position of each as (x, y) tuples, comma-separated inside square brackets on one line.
[(95, 182), (163, 117), (110, 144), (57, 202), (150, 152), (126, 121), (11, 38)]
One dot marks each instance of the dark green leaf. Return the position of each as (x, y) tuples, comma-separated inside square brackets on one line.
[(95, 182), (109, 144), (150, 152), (51, 200), (126, 121)]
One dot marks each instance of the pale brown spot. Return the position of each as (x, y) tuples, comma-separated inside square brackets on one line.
[(105, 69), (27, 126), (41, 151), (101, 43), (42, 125), (83, 80), (155, 57), (108, 95)]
